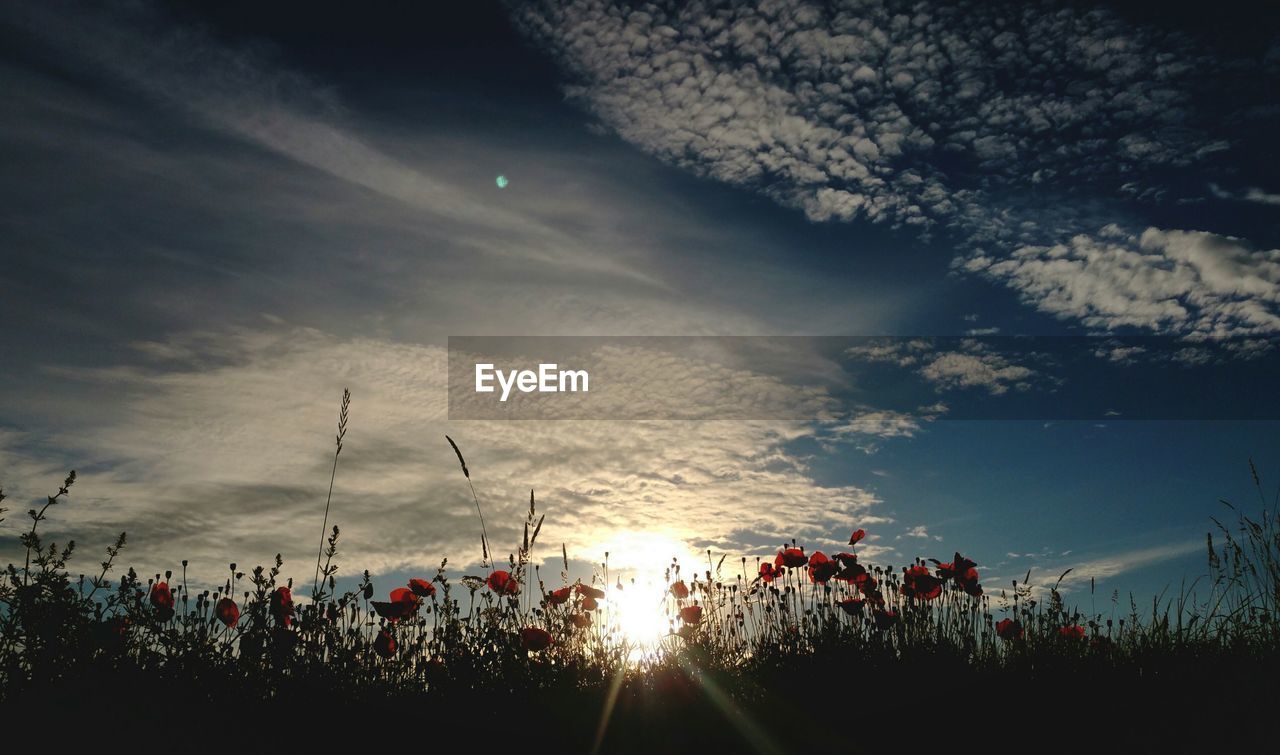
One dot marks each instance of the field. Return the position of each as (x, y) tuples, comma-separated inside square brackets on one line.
[(753, 655)]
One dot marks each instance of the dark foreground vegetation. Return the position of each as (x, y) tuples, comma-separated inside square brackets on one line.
[(808, 650)]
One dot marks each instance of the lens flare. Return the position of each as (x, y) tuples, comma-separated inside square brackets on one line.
[(501, 181)]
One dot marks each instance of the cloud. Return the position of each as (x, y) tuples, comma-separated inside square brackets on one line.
[(1250, 194), (219, 444), (1098, 566), (1165, 281), (846, 110), (975, 364), (921, 532), (972, 117)]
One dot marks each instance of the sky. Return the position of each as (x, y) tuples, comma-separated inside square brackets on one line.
[(217, 216)]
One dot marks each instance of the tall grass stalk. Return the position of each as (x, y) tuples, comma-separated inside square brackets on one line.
[(333, 473)]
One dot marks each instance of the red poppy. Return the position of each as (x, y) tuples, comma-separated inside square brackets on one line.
[(1075, 632), (385, 644), (919, 583), (535, 639), (821, 568), (227, 612), (792, 558), (680, 590), (391, 610), (884, 618), (589, 604), (865, 583), (1009, 629), (422, 588), (503, 583), (406, 595), (559, 597), (162, 599), (282, 605), (581, 620), (403, 604), (588, 591), (852, 573), (852, 606), (963, 572), (691, 614), (857, 536), (768, 572)]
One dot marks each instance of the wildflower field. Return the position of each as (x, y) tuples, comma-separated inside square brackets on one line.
[(807, 649)]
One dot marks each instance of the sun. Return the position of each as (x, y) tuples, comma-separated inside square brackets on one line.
[(639, 609), (640, 561)]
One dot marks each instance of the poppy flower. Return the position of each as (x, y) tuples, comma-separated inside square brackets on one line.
[(963, 572), (1009, 629), (792, 558), (384, 644), (768, 572), (680, 590), (559, 597), (1074, 632), (865, 583), (852, 573), (857, 536), (588, 591), (919, 583), (422, 588), (852, 606), (402, 605), (581, 620), (162, 598), (503, 583), (821, 568), (691, 615), (227, 612), (282, 605), (406, 595), (884, 618), (535, 639), (589, 604), (390, 610)]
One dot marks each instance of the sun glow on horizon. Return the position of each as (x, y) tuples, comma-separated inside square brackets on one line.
[(639, 608)]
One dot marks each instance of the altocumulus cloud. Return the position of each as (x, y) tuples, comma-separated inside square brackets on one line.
[(932, 115)]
